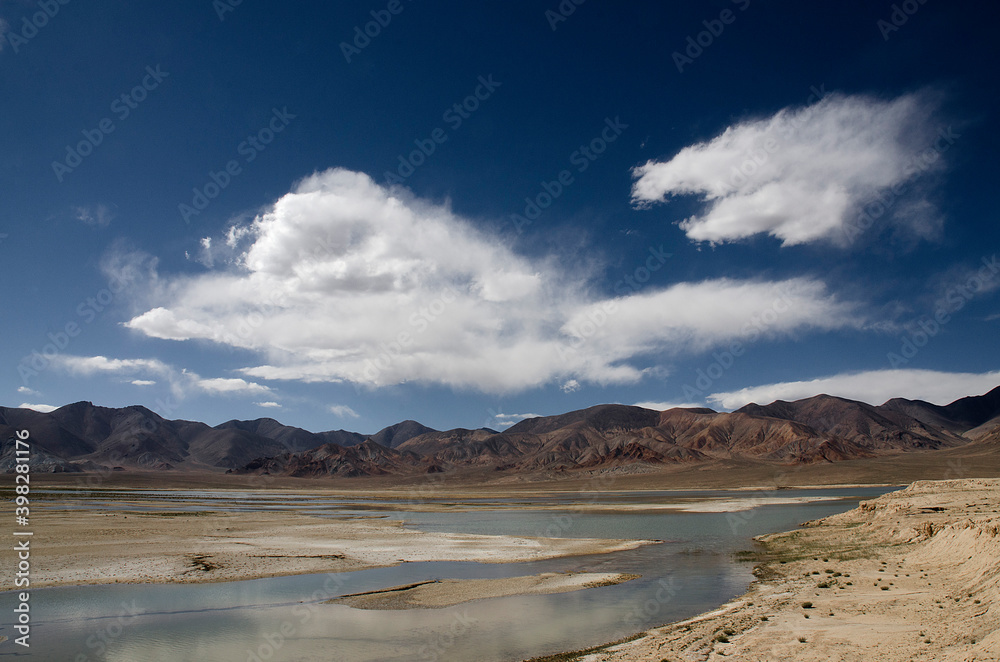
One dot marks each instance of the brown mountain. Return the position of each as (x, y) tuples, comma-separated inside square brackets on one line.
[(394, 435), (365, 459), (961, 416), (83, 437), (877, 429)]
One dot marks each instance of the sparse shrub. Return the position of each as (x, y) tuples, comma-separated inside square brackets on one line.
[(807, 605)]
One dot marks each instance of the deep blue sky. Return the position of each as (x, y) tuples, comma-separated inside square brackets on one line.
[(857, 296)]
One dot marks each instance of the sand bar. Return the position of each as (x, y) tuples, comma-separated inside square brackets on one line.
[(83, 547), (447, 592), (911, 575)]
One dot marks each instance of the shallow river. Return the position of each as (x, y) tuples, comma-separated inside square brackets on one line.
[(283, 618)]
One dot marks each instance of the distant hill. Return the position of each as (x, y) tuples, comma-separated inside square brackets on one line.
[(394, 435), (85, 437)]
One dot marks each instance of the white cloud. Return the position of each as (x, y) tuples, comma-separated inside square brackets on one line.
[(98, 216), (143, 382), (344, 280), (268, 405), (663, 406), (229, 385), (873, 387), (571, 386), (205, 256), (804, 174), (182, 382), (90, 365), (698, 316), (45, 409), (343, 411), (510, 419), (24, 390)]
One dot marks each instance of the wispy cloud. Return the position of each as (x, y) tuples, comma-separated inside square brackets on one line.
[(268, 405), (804, 174), (509, 419), (343, 411), (143, 382), (663, 406), (45, 409), (97, 216), (24, 390), (182, 382), (229, 385), (343, 280), (873, 387)]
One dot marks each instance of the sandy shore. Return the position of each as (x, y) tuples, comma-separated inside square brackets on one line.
[(911, 575), (447, 592), (84, 547)]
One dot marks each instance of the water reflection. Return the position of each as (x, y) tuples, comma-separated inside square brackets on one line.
[(286, 619)]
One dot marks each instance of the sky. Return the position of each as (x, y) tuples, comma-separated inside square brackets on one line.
[(344, 215)]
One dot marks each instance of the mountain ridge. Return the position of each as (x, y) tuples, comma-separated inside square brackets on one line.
[(82, 436)]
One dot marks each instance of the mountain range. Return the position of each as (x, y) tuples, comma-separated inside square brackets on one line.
[(84, 437)]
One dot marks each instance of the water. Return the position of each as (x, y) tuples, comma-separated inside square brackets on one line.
[(284, 618)]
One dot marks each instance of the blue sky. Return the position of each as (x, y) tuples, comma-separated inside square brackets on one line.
[(479, 212)]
